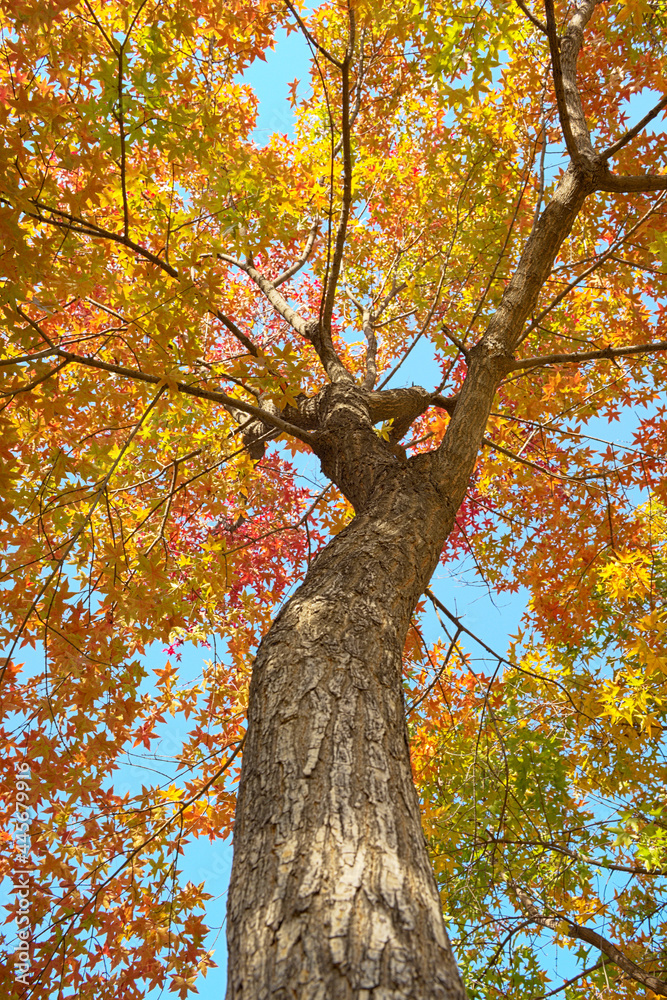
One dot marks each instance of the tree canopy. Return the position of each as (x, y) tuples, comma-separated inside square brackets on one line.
[(176, 299)]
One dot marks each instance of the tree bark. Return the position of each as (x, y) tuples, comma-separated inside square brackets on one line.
[(332, 894)]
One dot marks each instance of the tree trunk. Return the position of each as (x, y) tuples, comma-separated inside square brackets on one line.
[(332, 894)]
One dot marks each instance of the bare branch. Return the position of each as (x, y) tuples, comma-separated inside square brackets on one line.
[(574, 930), (540, 25), (569, 982), (578, 856), (581, 356), (311, 38), (278, 301), (357, 102), (341, 232), (323, 344), (422, 331), (552, 429), (635, 130), (501, 255), (409, 709), (121, 126), (303, 259), (462, 628), (73, 223), (540, 468), (121, 121), (609, 253), (394, 319), (28, 386), (632, 183), (183, 387)]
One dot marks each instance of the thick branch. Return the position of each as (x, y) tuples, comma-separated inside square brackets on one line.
[(564, 63), (557, 73), (370, 378), (405, 404), (632, 184), (309, 330), (490, 359), (278, 301), (570, 47)]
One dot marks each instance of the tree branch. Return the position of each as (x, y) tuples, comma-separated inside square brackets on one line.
[(341, 232), (539, 468), (575, 930), (303, 259), (308, 329), (540, 25), (183, 387), (311, 38), (632, 183), (277, 300), (406, 404), (75, 224), (635, 130), (564, 65), (422, 331), (357, 101), (609, 253), (28, 386), (121, 128), (569, 982), (577, 856), (370, 378), (581, 356), (557, 73), (462, 628)]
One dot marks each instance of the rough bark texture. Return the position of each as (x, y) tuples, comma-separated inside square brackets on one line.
[(332, 895)]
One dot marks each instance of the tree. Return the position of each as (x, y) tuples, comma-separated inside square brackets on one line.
[(183, 307)]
